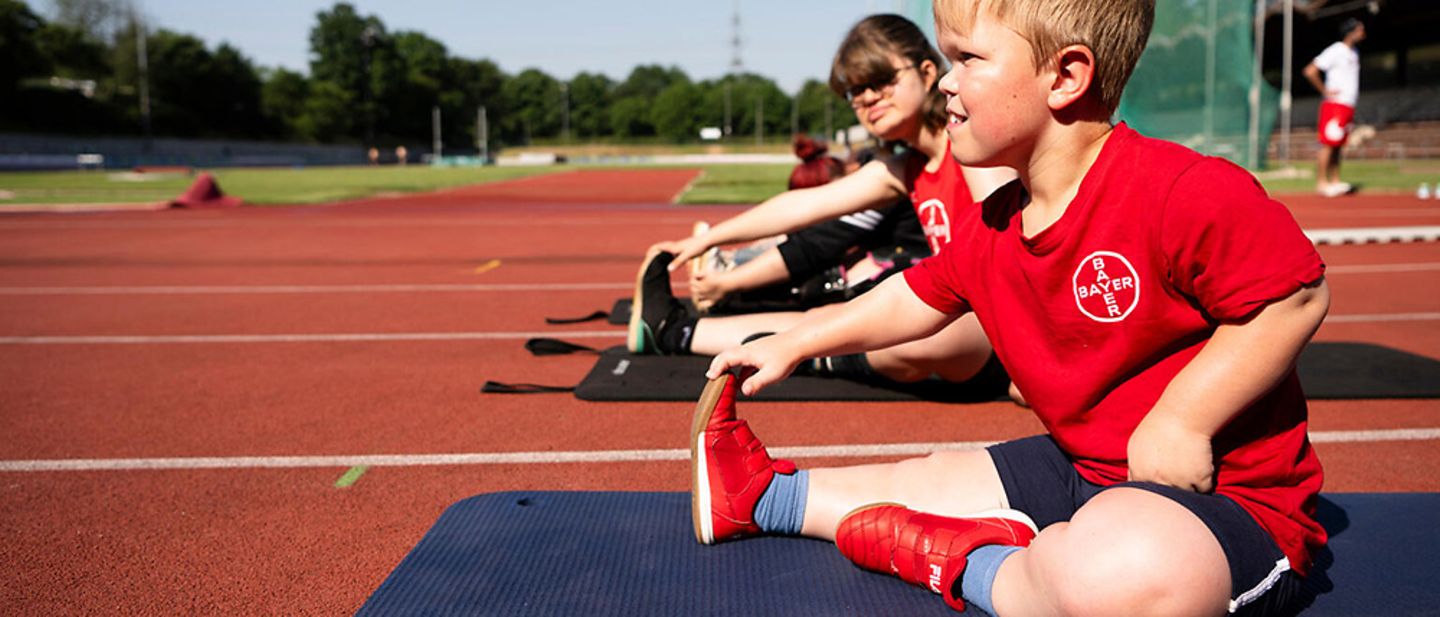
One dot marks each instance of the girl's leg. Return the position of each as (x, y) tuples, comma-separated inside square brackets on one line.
[(955, 353), (716, 334)]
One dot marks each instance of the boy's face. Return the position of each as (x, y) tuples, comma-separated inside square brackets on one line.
[(996, 100)]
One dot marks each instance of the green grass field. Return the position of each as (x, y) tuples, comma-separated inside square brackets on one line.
[(720, 184), (256, 186)]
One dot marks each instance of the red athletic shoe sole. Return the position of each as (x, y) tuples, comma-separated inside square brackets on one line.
[(700, 506)]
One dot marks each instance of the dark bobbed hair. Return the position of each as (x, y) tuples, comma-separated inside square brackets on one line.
[(1349, 25), (864, 58)]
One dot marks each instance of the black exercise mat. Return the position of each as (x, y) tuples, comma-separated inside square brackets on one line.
[(619, 375), (1363, 370), (1327, 371), (583, 553), (620, 313)]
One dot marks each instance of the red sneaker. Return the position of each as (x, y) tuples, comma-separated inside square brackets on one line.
[(926, 549), (730, 467)]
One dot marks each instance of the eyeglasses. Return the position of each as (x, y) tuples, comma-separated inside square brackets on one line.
[(883, 90)]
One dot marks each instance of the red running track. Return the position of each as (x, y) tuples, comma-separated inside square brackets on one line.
[(250, 539)]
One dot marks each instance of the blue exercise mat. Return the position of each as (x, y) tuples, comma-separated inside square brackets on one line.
[(582, 553)]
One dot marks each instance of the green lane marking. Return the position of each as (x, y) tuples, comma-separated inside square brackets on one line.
[(351, 476)]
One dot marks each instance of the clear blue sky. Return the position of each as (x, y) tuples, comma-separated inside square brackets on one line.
[(787, 40)]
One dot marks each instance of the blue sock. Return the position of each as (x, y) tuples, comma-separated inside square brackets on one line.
[(782, 507), (979, 576)]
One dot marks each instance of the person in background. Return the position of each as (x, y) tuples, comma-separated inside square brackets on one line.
[(1340, 88)]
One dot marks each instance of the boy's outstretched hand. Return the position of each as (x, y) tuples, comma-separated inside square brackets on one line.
[(1165, 451), (760, 364)]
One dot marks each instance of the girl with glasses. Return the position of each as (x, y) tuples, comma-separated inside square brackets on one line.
[(889, 72)]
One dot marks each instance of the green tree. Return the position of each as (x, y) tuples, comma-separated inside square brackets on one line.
[(329, 113), (95, 19), (744, 92), (647, 81), (424, 72), (590, 100), (676, 112), (817, 104), (355, 54), (282, 100), (196, 92), (473, 84), (22, 56), (630, 117), (533, 101), (71, 53)]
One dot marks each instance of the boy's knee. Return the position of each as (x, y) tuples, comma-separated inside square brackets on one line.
[(1130, 555)]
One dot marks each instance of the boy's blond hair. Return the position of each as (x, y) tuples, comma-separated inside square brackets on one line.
[(1114, 30)]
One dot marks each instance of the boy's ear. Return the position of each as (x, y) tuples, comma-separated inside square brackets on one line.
[(1074, 76)]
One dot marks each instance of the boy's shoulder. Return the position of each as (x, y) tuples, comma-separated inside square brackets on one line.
[(1166, 165)]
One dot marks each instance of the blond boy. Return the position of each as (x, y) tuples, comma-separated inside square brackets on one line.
[(1150, 303)]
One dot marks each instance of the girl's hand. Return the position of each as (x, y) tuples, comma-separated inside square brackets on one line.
[(707, 288), (684, 250)]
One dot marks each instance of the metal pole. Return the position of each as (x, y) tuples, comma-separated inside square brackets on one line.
[(1209, 118), (565, 115), (759, 120), (482, 136), (795, 114), (1255, 77), (142, 66), (727, 106), (829, 117), (1285, 81), (438, 147)]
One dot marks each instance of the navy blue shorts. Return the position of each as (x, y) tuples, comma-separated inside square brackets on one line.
[(1040, 481)]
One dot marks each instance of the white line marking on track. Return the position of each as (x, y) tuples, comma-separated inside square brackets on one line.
[(160, 339), (1374, 235), (302, 338), (475, 288), (1382, 268), (591, 456), (621, 216), (1382, 317), (303, 289)]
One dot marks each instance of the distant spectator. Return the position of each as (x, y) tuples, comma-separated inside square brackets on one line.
[(402, 156), (816, 166), (1340, 88), (374, 155)]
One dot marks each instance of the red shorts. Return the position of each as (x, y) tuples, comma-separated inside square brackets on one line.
[(1335, 123)]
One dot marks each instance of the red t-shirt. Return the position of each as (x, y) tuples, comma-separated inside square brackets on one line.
[(938, 197), (1096, 314)]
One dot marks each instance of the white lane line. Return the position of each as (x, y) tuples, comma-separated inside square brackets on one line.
[(1374, 235), (590, 456), (1382, 268), (623, 216), (303, 338), (459, 336), (1382, 317), (472, 288), (302, 289)]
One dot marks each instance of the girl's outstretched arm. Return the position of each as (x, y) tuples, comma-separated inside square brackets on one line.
[(875, 185)]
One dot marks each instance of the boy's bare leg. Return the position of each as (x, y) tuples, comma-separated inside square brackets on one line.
[(1125, 552), (955, 353), (1322, 168), (948, 483)]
